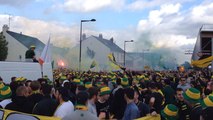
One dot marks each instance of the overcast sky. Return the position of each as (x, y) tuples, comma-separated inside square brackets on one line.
[(152, 24)]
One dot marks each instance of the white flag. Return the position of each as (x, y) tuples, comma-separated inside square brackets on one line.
[(46, 54)]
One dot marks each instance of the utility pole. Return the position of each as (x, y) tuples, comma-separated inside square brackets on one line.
[(9, 19)]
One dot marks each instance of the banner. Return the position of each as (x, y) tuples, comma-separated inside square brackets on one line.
[(114, 66), (112, 58), (93, 64), (202, 63), (114, 63), (149, 117), (13, 115)]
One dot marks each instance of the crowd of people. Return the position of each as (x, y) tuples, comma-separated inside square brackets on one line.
[(125, 95)]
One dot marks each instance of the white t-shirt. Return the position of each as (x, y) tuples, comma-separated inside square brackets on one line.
[(92, 108), (81, 115), (5, 102), (64, 109)]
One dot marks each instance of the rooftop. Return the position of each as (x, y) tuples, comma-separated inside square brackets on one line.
[(110, 44), (27, 41), (207, 27)]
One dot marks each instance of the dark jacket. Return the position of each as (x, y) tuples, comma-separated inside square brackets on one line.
[(169, 94), (143, 108), (29, 54), (103, 107), (184, 110), (19, 104), (158, 102), (33, 100), (196, 112), (118, 104), (45, 107)]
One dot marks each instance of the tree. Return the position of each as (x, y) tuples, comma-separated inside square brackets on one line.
[(3, 47)]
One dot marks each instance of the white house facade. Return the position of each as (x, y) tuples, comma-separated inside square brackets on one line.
[(18, 44), (100, 48)]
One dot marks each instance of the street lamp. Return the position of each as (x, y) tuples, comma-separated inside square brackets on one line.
[(125, 50), (92, 20), (144, 50)]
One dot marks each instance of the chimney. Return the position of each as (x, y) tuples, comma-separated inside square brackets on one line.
[(5, 28), (100, 36), (111, 39), (84, 36)]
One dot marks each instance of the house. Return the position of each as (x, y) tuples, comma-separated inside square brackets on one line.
[(97, 48), (19, 43)]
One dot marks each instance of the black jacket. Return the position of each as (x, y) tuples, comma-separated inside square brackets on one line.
[(19, 103), (33, 100), (46, 107), (184, 110), (196, 112), (118, 104), (143, 108)]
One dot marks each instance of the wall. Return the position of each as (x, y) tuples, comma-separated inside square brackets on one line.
[(119, 56), (15, 49), (29, 70), (101, 51)]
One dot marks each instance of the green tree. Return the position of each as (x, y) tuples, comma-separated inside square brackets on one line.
[(3, 47)]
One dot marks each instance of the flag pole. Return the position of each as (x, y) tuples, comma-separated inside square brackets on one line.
[(42, 73), (43, 56)]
